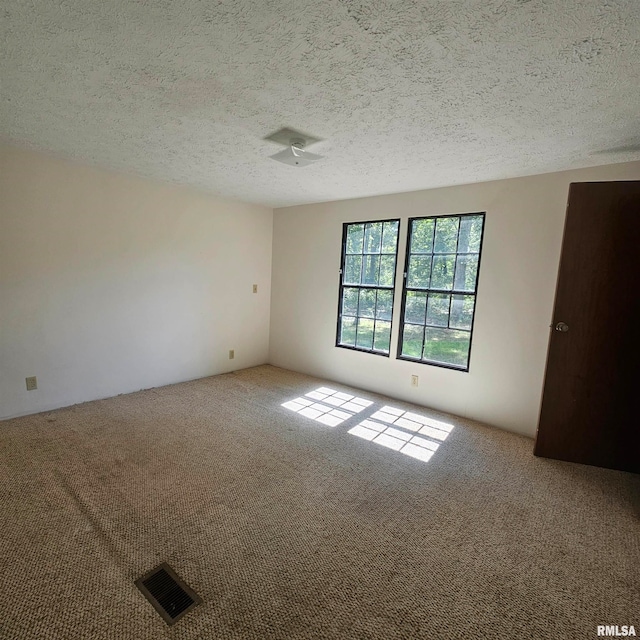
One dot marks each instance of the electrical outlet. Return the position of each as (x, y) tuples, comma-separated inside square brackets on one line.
[(32, 383), (414, 381), (232, 354), (255, 288)]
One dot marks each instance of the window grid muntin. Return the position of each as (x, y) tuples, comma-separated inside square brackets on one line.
[(427, 290), (426, 310), (373, 318), (360, 287)]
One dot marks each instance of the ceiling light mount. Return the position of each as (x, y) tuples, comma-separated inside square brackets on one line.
[(295, 153)]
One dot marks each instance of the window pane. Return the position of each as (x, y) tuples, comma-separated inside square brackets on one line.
[(365, 333), (466, 270), (462, 312), (367, 306), (348, 331), (382, 337), (419, 271), (387, 271), (370, 269), (352, 268), (412, 341), (422, 236), (470, 234), (447, 346), (383, 307), (446, 235), (443, 257), (372, 237), (350, 302), (390, 237), (438, 309), (415, 308), (366, 290), (442, 276), (355, 235)]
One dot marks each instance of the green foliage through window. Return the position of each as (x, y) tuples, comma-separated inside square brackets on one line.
[(439, 294), (367, 282)]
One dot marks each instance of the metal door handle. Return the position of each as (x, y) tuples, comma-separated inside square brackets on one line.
[(561, 326)]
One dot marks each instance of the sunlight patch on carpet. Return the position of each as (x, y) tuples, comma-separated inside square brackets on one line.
[(397, 429), (414, 422), (327, 406), (409, 433)]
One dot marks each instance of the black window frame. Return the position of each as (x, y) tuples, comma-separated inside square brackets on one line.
[(392, 288), (428, 290)]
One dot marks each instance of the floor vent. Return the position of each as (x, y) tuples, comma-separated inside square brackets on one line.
[(169, 595)]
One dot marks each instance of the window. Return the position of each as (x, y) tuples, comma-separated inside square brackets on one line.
[(439, 292), (367, 281)]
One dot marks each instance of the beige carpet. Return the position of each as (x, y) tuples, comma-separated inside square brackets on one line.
[(290, 528)]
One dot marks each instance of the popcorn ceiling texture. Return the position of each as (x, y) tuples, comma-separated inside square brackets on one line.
[(405, 94)]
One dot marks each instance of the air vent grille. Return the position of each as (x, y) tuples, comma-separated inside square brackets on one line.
[(169, 595)]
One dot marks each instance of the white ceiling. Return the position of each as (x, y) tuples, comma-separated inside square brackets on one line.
[(406, 94)]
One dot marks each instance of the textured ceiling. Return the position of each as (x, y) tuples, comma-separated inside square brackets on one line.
[(405, 94)]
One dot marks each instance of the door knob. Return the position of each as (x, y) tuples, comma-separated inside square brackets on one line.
[(561, 326)]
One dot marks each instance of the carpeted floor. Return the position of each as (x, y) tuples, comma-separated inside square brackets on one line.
[(291, 528)]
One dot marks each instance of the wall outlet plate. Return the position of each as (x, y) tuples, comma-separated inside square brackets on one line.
[(232, 354), (32, 383), (414, 381), (255, 288)]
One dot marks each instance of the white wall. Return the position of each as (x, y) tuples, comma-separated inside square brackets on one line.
[(523, 234), (111, 283)]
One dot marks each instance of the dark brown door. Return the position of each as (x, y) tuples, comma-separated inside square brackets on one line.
[(591, 400)]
